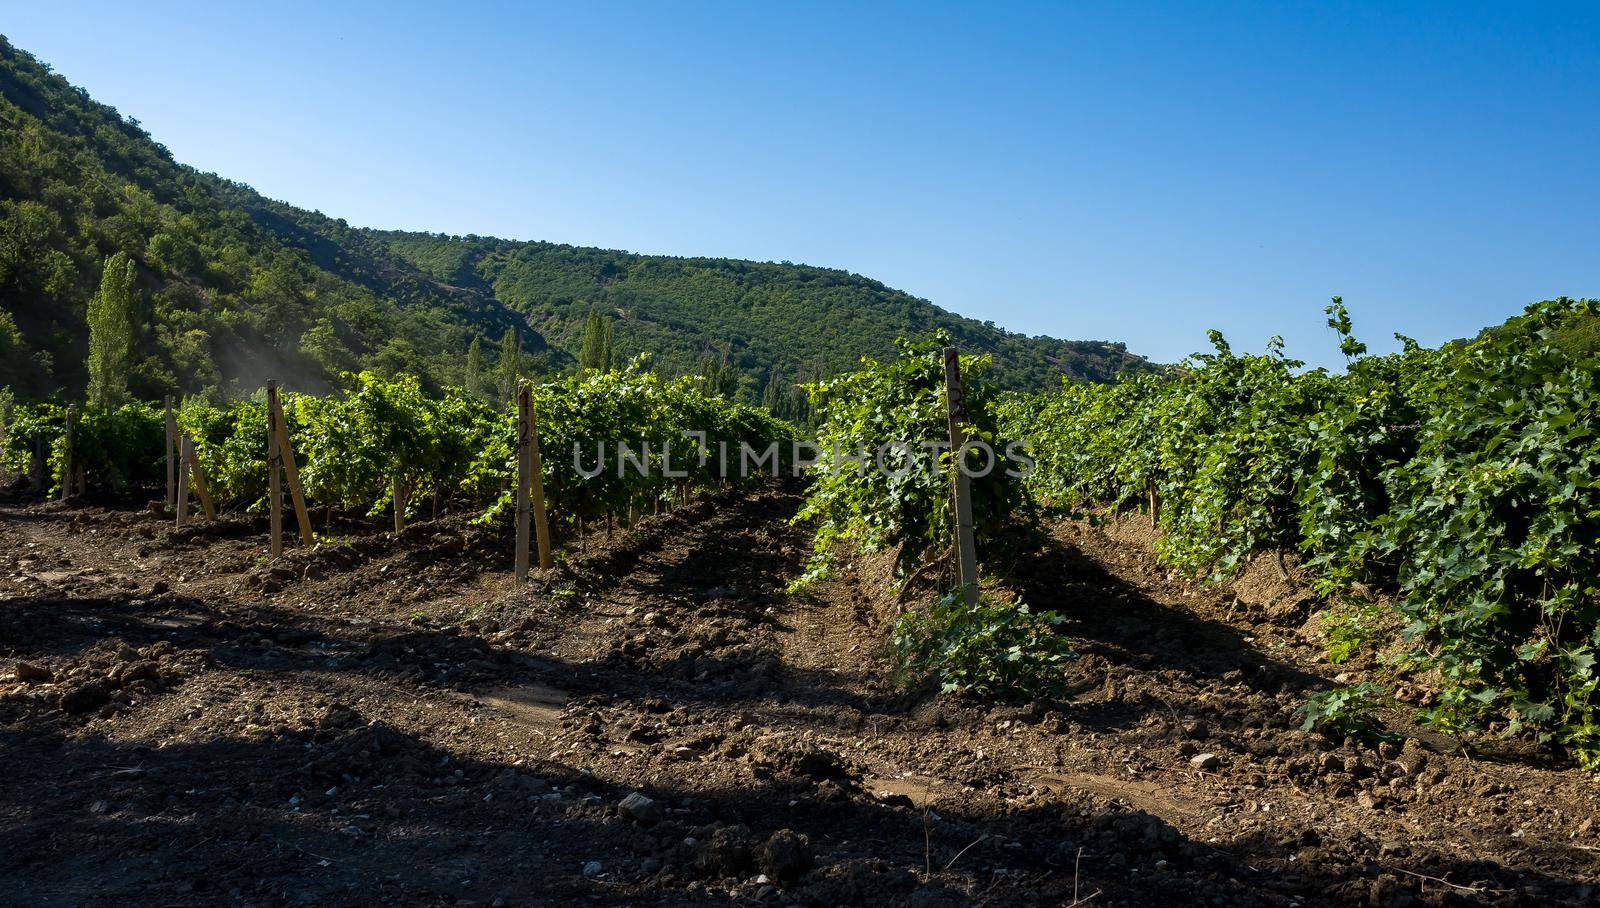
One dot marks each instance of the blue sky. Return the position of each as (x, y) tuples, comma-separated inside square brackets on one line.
[(1135, 172)]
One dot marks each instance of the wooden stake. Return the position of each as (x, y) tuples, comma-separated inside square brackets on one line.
[(291, 473), (172, 466), (66, 458), (397, 490), (539, 517), (197, 478), (966, 546), (524, 478), (274, 471), (185, 456)]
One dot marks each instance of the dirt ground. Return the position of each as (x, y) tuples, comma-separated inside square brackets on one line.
[(388, 720)]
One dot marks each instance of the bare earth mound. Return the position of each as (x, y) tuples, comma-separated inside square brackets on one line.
[(388, 721)]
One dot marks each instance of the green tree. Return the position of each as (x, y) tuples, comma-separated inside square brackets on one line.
[(773, 396), (14, 359), (596, 354), (718, 377), (510, 352), (474, 377), (322, 344), (111, 335)]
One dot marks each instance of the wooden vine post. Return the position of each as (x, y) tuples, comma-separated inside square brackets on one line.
[(189, 475), (966, 546), (197, 478), (291, 476), (397, 491), (274, 472), (530, 486), (172, 465), (281, 467), (184, 458), (524, 469), (536, 475), (66, 456)]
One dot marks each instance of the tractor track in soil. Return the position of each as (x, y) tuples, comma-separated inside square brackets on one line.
[(388, 720)]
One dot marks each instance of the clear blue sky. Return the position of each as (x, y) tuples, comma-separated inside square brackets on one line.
[(1112, 170)]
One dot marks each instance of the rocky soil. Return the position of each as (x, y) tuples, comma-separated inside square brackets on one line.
[(387, 720)]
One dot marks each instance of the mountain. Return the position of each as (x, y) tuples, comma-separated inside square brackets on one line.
[(236, 288), (796, 321)]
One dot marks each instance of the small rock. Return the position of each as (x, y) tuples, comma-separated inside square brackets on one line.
[(893, 799), (798, 760), (592, 868), (338, 716), (1413, 757), (1384, 890), (137, 671), (1393, 850), (99, 807), (91, 695), (1205, 762), (1196, 730), (29, 673), (785, 856), (640, 809), (725, 854)]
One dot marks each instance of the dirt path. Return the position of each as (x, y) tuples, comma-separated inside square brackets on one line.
[(387, 720)]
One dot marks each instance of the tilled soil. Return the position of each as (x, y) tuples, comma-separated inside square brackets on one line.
[(388, 720)]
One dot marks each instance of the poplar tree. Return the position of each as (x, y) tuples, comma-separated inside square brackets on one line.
[(111, 333), (773, 397), (596, 353), (474, 377), (510, 346)]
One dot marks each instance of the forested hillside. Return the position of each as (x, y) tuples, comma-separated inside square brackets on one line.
[(765, 320), (231, 288)]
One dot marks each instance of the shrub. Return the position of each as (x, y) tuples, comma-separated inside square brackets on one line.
[(907, 503), (1345, 711), (1466, 479), (999, 650)]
